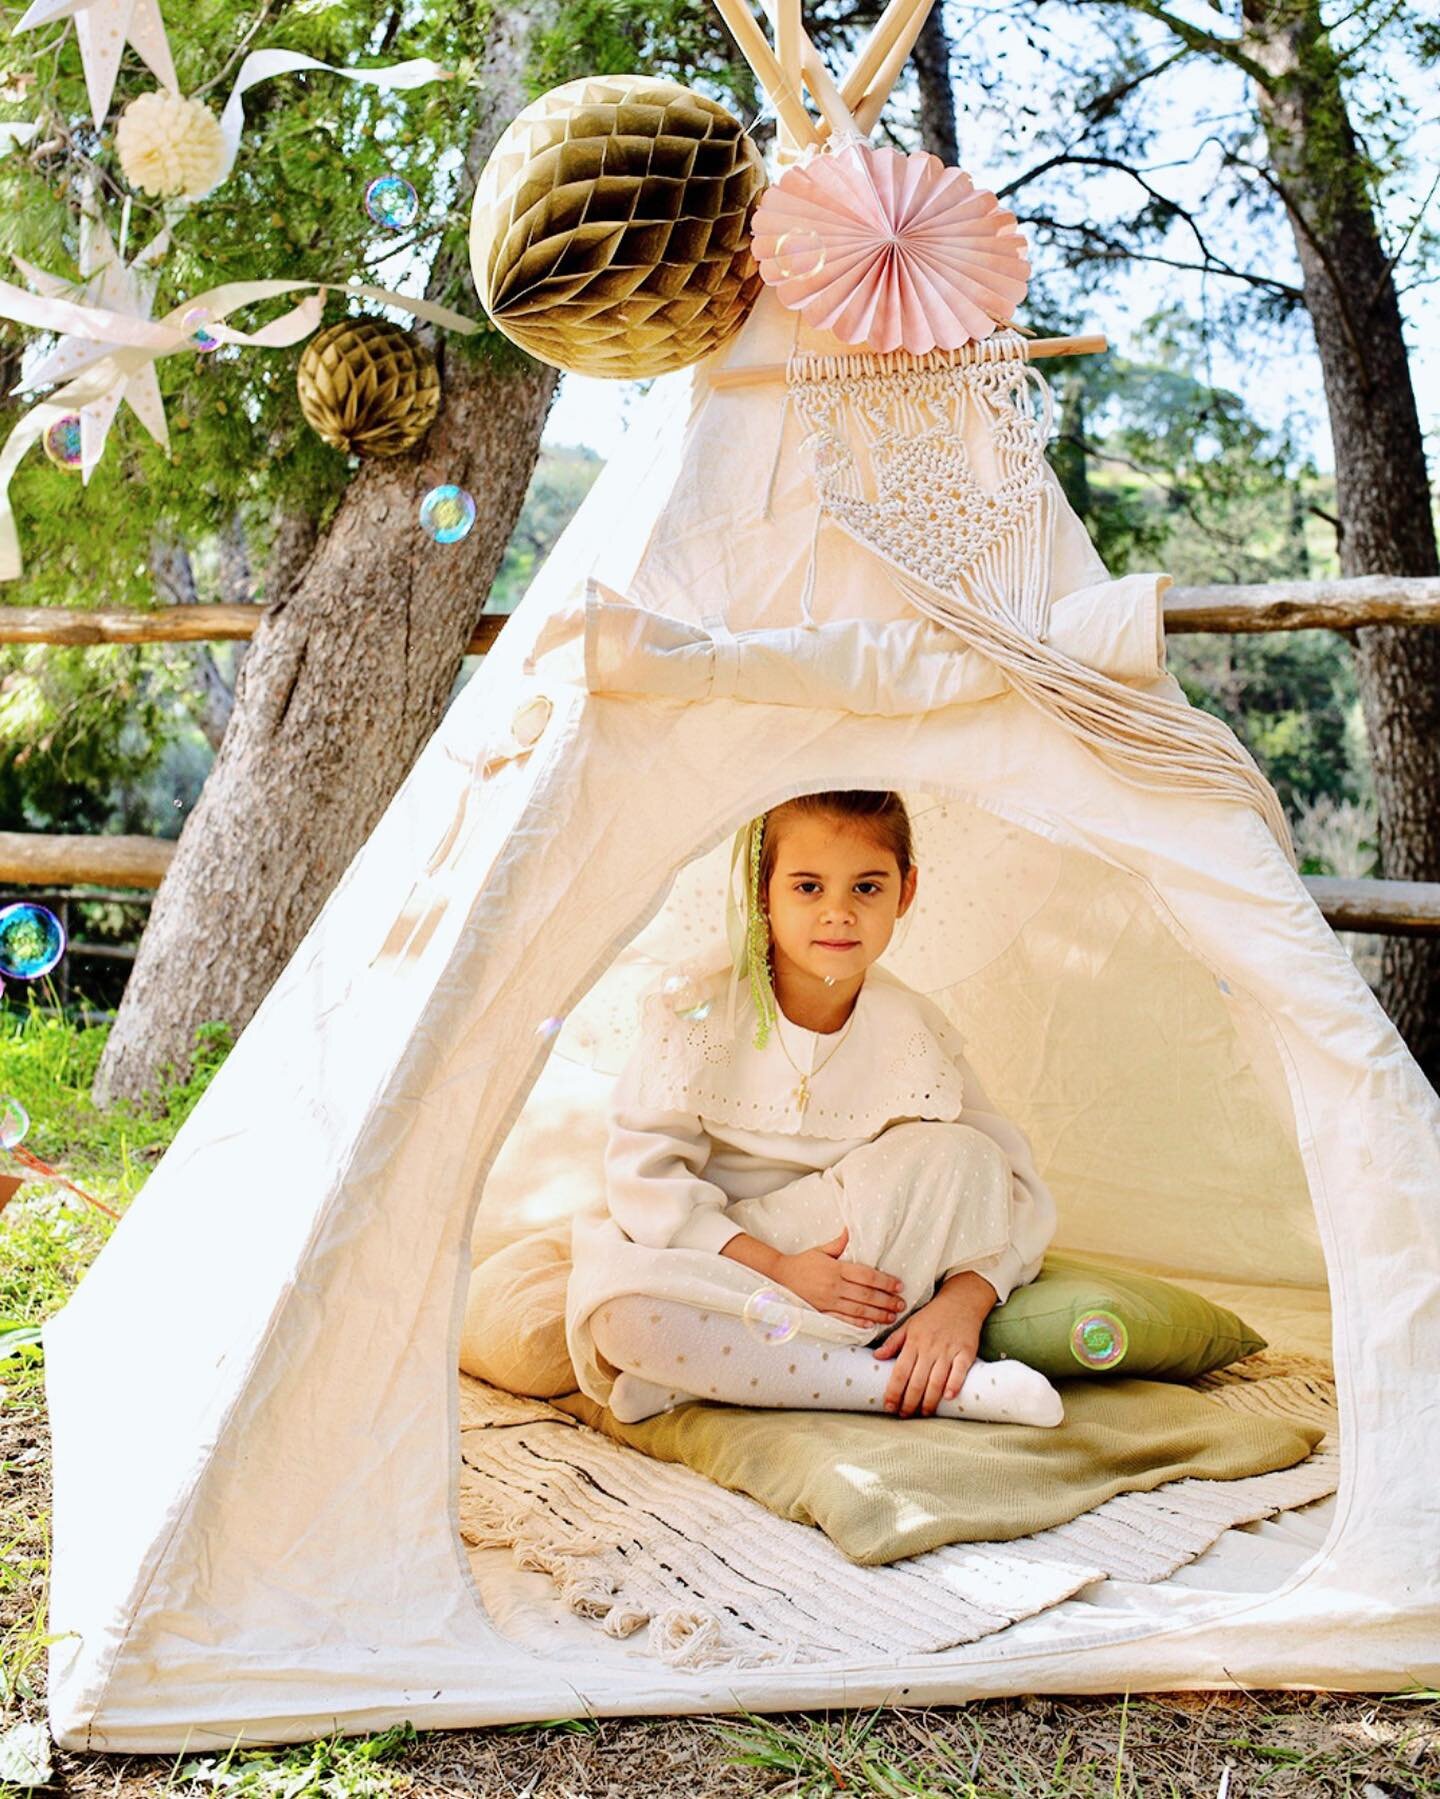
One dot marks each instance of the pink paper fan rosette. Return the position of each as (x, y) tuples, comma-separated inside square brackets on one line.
[(893, 252)]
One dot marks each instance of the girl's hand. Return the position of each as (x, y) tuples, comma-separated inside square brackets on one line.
[(847, 1290), (934, 1347)]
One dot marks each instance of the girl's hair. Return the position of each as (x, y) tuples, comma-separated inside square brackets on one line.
[(882, 816)]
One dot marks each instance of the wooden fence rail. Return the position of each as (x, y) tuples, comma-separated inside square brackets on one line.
[(1270, 606), (33, 859), (28, 859), (1405, 908), (165, 624)]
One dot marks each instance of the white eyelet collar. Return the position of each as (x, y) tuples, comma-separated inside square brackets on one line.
[(898, 1060)]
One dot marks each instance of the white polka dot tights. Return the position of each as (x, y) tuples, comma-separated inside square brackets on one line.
[(670, 1353)]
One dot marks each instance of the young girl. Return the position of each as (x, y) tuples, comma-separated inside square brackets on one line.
[(825, 1174)]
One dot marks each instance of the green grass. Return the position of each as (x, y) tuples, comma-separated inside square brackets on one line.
[(51, 1236), (332, 1768)]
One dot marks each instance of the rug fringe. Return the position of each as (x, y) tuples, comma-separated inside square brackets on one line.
[(681, 1636)]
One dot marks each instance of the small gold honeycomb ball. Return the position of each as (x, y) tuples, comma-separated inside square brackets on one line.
[(369, 387)]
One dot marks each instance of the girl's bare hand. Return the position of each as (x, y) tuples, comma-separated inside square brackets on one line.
[(846, 1290), (935, 1346)]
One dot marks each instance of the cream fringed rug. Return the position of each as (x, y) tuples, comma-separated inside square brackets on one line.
[(716, 1580)]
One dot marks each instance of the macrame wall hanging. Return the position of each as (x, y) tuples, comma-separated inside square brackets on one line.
[(971, 548), (887, 437)]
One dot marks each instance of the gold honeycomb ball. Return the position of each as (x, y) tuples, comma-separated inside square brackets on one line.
[(369, 387), (610, 233)]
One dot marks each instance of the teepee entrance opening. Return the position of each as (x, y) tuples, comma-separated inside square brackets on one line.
[(1150, 1080)]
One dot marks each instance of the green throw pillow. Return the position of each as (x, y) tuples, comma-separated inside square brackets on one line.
[(1077, 1317)]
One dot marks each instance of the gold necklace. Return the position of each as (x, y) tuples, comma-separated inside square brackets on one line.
[(802, 1092)]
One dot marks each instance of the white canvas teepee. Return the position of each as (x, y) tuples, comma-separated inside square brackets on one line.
[(256, 1533)]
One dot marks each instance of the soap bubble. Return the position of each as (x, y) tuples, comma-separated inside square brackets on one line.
[(447, 513), (684, 998), (550, 1027), (14, 1122), (798, 253), (32, 941), (392, 202), (61, 442), (770, 1316), (1099, 1340), (197, 321)]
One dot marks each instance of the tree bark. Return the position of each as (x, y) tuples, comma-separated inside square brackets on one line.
[(1382, 485), (346, 679), (174, 578), (931, 56)]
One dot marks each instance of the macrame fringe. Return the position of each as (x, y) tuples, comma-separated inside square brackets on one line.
[(887, 436)]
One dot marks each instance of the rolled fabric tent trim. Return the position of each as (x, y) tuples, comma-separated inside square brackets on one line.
[(893, 669)]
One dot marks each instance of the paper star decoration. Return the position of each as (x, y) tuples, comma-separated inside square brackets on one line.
[(119, 287), (103, 28)]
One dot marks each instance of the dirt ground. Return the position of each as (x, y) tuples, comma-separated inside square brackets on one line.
[(1226, 1745)]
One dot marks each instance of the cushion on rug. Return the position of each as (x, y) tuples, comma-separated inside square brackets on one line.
[(514, 1335), (885, 1488), (1165, 1332)]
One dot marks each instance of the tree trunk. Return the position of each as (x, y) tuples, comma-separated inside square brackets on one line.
[(174, 577), (345, 681), (1382, 487), (931, 57)]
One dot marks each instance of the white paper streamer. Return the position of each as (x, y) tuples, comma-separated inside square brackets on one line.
[(103, 27), (139, 343), (17, 131), (261, 65)]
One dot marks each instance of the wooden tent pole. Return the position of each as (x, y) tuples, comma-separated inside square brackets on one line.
[(755, 48), (1037, 349), (897, 15), (787, 44), (868, 110), (837, 115)]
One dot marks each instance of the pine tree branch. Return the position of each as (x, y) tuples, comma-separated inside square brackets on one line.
[(1104, 104), (1348, 322), (1105, 249), (1212, 263), (1203, 43), (1392, 262)]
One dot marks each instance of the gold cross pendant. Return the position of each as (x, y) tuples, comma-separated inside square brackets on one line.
[(802, 1093)]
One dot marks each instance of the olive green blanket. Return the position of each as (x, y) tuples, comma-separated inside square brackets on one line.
[(885, 1488)]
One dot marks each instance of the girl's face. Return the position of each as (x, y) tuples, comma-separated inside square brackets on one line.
[(833, 898)]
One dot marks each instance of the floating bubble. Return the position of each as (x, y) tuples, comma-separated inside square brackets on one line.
[(14, 1122), (32, 941), (197, 322), (61, 442), (550, 1027), (447, 513), (798, 253), (684, 998), (770, 1316), (1099, 1340), (392, 202)]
